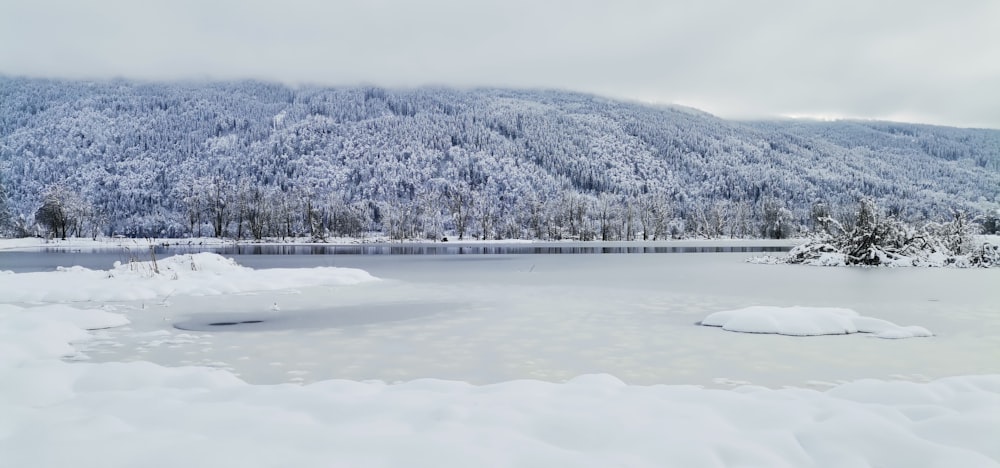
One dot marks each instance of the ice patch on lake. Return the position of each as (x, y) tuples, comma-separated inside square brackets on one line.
[(808, 321), (200, 274)]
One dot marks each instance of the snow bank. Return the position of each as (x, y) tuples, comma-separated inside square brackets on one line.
[(193, 274), (808, 321)]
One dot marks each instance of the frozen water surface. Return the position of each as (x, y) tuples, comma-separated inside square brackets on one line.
[(512, 322), (493, 318)]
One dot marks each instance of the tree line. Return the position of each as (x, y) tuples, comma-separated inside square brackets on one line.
[(243, 211)]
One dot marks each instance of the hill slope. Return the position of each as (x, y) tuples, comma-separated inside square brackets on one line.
[(254, 159)]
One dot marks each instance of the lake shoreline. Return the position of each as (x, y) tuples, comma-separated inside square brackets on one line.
[(40, 244)]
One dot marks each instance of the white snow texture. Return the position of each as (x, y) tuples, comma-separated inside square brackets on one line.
[(200, 274), (808, 321), (55, 413)]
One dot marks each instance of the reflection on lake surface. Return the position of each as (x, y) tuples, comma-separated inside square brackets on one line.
[(47, 259), (388, 249)]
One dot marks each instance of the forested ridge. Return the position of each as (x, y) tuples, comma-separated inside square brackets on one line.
[(254, 160)]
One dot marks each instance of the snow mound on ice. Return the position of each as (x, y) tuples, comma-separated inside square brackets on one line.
[(200, 274), (808, 321), (180, 265)]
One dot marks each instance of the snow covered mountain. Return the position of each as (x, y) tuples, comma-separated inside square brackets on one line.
[(251, 159)]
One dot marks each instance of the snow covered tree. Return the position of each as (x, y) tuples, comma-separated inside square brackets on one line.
[(532, 216), (458, 198), (607, 214), (990, 222), (820, 217), (55, 214), (486, 213), (312, 217), (256, 211), (957, 234), (739, 222), (285, 213), (654, 211), (193, 200), (218, 205), (777, 219), (344, 219)]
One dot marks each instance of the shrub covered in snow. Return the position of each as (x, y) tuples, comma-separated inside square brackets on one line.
[(876, 239)]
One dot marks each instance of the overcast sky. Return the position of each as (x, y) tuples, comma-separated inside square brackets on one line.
[(931, 61)]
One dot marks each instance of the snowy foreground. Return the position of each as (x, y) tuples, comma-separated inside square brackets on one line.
[(55, 412)]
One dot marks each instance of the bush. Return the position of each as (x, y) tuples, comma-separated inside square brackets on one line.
[(876, 239)]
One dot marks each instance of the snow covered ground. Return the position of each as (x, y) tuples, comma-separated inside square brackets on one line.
[(221, 365), (809, 321)]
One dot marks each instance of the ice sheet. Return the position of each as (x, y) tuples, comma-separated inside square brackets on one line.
[(488, 319), (502, 322)]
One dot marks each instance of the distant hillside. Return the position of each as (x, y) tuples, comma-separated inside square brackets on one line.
[(251, 159)]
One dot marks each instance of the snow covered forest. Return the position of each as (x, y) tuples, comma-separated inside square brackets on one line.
[(253, 160)]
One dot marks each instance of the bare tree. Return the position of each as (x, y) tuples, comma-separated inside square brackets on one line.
[(777, 219), (61, 211), (218, 205), (458, 197), (607, 214), (654, 210), (739, 220)]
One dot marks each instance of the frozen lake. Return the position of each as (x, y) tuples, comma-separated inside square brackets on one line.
[(494, 318), (548, 339)]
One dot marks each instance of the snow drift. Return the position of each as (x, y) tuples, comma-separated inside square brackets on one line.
[(197, 274), (808, 321)]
